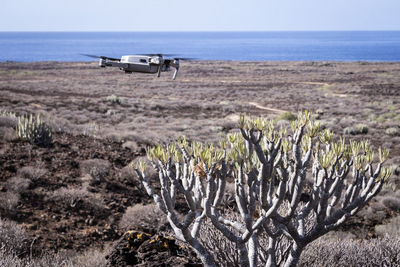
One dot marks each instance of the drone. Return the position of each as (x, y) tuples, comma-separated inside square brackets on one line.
[(145, 63)]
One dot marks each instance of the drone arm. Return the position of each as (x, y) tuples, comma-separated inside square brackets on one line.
[(111, 63)]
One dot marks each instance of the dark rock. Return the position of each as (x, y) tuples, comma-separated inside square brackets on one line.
[(137, 248)]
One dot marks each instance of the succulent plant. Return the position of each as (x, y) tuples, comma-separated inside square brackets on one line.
[(33, 129)]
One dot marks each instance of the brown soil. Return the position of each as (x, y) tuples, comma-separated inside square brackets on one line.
[(205, 100), (57, 225)]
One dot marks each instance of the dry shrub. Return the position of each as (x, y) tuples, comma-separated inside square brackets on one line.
[(7, 134), (113, 99), (132, 145), (9, 201), (129, 177), (148, 218), (70, 258), (373, 252), (13, 237), (70, 196), (229, 196), (287, 116), (361, 128), (392, 228), (31, 172), (393, 131), (224, 251), (76, 197), (354, 129), (375, 211), (391, 202), (88, 258), (8, 121), (88, 129), (97, 168), (9, 258), (18, 184)]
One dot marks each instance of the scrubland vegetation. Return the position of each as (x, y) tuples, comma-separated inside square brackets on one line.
[(68, 186)]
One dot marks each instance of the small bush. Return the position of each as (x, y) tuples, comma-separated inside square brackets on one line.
[(31, 172), (143, 217), (88, 129), (128, 176), (13, 237), (97, 168), (362, 129), (392, 228), (392, 203), (9, 201), (392, 131), (396, 169), (18, 184), (10, 122), (111, 112), (9, 258), (287, 116), (349, 130), (73, 197), (70, 258), (373, 252), (358, 129), (229, 196), (34, 130), (6, 133), (70, 196), (113, 99)]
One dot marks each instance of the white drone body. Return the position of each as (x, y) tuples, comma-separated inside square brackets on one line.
[(151, 63)]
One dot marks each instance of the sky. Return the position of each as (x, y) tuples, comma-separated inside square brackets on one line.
[(203, 15)]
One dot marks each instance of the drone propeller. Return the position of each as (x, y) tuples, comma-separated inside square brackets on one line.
[(102, 57), (185, 58), (158, 54)]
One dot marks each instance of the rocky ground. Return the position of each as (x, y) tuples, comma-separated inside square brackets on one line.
[(73, 194)]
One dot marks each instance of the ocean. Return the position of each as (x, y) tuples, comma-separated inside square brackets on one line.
[(243, 46)]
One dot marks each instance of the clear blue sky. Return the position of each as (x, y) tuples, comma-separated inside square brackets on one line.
[(201, 15)]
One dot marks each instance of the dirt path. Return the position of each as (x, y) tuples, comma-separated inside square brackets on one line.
[(274, 110)]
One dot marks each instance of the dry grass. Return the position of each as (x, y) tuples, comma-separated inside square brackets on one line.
[(200, 101), (97, 168), (76, 197), (374, 252), (392, 228), (88, 258), (392, 202), (9, 201), (32, 173), (13, 238), (18, 185), (144, 217)]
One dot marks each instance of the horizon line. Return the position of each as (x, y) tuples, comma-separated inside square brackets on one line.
[(185, 31)]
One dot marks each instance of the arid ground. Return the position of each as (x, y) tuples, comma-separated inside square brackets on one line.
[(103, 119)]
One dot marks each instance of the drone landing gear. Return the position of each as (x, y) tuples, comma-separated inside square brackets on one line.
[(175, 73)]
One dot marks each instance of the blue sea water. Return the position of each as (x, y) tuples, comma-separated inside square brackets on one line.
[(259, 46)]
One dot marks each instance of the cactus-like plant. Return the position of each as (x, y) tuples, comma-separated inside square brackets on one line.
[(270, 167), (33, 129)]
